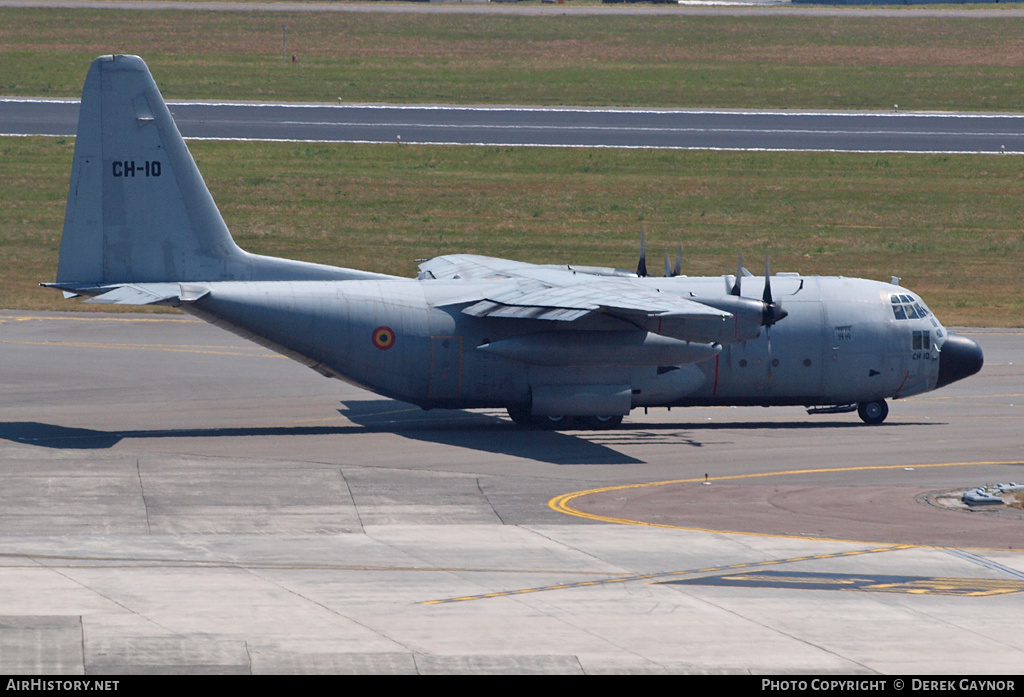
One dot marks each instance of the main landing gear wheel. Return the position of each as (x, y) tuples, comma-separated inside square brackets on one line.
[(599, 423), (873, 413), (523, 417), (553, 422)]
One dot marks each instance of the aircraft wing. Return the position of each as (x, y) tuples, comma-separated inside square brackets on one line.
[(529, 291), (473, 266)]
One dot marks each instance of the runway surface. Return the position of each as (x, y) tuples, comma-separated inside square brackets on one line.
[(176, 500), (648, 128), (737, 8)]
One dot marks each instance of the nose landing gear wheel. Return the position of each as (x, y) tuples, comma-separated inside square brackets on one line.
[(873, 413)]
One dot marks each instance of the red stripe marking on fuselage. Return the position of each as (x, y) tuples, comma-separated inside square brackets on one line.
[(903, 383)]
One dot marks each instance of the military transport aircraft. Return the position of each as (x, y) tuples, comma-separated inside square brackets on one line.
[(557, 346)]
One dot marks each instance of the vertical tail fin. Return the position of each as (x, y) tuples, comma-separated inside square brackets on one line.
[(138, 210)]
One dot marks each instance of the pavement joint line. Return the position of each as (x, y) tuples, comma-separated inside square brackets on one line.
[(95, 562), (75, 318), (953, 398), (253, 353), (987, 563)]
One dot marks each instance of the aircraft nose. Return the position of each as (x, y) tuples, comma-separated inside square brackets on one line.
[(960, 357)]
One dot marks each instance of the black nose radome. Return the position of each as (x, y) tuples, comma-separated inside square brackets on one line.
[(960, 357)]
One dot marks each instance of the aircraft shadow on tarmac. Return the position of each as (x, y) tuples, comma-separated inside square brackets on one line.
[(456, 428), (483, 431), (477, 430)]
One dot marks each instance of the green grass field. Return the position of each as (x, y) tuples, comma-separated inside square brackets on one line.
[(844, 62), (949, 225)]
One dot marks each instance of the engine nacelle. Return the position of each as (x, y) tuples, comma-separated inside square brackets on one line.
[(745, 323), (601, 348)]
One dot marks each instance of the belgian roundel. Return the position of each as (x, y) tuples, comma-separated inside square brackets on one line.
[(383, 338)]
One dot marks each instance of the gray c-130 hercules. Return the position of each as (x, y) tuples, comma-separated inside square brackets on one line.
[(555, 345)]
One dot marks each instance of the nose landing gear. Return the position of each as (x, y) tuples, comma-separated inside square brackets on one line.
[(873, 413)]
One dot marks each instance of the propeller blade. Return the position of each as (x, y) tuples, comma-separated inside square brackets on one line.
[(769, 310), (739, 274), (773, 311), (641, 268), (678, 270), (668, 269)]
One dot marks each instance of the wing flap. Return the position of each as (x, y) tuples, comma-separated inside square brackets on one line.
[(486, 308), (567, 303)]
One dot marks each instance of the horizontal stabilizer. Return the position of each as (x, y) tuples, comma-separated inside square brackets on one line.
[(134, 293), (138, 294)]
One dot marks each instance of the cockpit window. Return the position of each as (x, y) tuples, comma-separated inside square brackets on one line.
[(905, 307)]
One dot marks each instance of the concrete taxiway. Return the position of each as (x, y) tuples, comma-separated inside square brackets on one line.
[(174, 499)]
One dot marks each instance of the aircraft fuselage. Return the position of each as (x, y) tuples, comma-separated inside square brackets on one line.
[(842, 343)]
